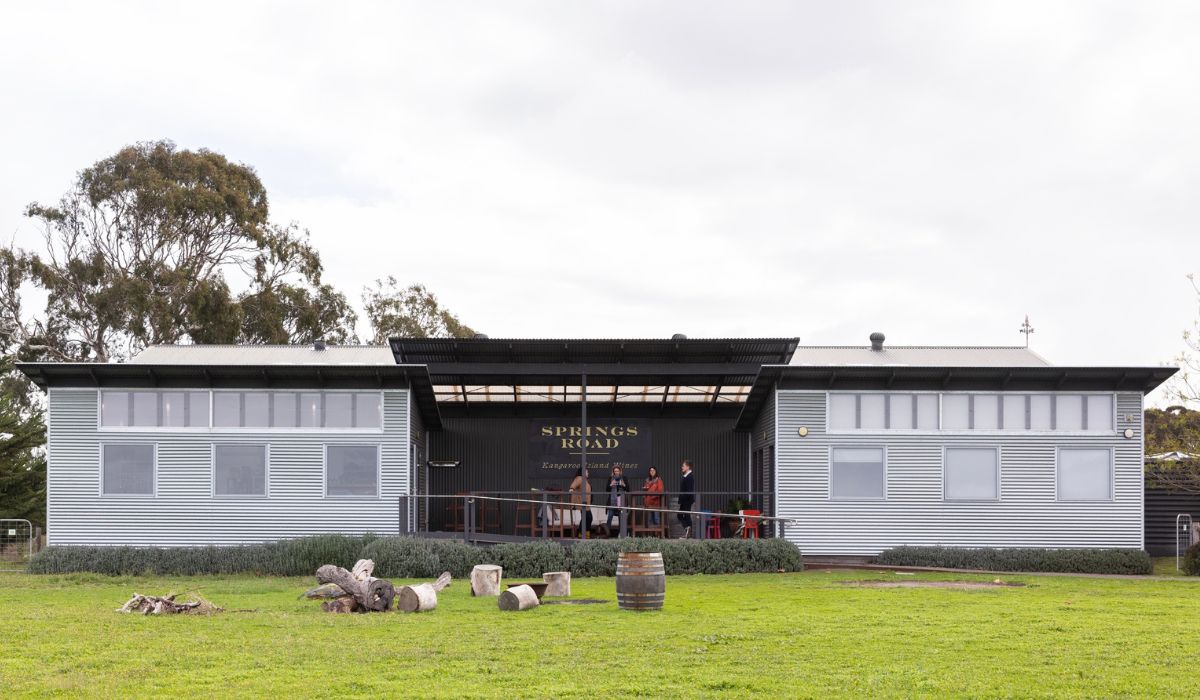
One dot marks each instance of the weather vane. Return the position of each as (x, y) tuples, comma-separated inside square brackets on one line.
[(1026, 329)]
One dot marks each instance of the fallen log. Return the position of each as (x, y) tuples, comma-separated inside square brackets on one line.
[(363, 569), (166, 605), (518, 598), (419, 598), (345, 604), (442, 581), (371, 593), (324, 591)]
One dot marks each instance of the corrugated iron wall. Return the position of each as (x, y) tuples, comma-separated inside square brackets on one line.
[(493, 456), (1161, 508)]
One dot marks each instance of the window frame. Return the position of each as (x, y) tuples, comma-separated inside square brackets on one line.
[(1112, 473), (887, 394), (159, 391), (856, 499), (307, 428), (266, 494), (378, 470), (1113, 414), (946, 463), (153, 470)]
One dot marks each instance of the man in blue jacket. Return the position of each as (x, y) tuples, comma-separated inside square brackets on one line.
[(687, 497)]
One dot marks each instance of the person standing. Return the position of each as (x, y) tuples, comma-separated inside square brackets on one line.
[(687, 496), (578, 497), (653, 501), (616, 489)]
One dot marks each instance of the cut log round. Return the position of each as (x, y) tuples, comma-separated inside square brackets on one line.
[(419, 598), (518, 598), (560, 583), (379, 594), (485, 579)]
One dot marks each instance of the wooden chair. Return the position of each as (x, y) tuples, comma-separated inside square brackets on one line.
[(455, 508), (527, 518), (489, 515), (641, 519)]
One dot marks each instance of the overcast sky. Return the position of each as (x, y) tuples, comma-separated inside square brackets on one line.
[(932, 170)]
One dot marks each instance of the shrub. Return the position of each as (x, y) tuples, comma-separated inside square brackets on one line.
[(1191, 560), (1073, 561), (408, 557)]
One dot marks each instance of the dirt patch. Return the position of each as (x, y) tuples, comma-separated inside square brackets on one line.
[(957, 585)]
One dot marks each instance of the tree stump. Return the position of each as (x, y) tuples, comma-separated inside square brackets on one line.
[(419, 598), (560, 584), (518, 598), (485, 579)]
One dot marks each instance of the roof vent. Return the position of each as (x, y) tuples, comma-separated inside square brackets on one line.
[(678, 336), (877, 339), (318, 345), (480, 336)]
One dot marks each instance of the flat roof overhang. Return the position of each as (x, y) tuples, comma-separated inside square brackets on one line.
[(908, 378), (134, 376), (582, 351)]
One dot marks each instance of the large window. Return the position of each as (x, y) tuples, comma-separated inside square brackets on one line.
[(1084, 474), (127, 470), (240, 470), (971, 411), (857, 473), (972, 474), (883, 411), (289, 409), (352, 470), (154, 409)]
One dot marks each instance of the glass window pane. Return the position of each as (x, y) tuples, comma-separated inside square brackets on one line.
[(1099, 412), (842, 412), (956, 412), (871, 412), (339, 409), (1068, 412), (145, 408), (1014, 412), (352, 470), (114, 408), (227, 409), (1039, 413), (1084, 475), (857, 473), (927, 411), (240, 470), (366, 411), (197, 409), (987, 411), (284, 405), (971, 474), (310, 410), (174, 410), (900, 411), (128, 470), (257, 407)]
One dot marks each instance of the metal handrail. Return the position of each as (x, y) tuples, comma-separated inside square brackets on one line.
[(469, 501)]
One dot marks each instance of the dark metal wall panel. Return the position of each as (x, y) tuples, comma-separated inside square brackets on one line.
[(493, 456), (1161, 508)]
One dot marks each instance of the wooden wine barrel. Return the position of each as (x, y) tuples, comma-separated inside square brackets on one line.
[(641, 581)]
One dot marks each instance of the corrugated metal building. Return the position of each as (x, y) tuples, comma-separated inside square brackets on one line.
[(863, 447)]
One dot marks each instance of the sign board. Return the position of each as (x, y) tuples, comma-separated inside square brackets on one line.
[(555, 448), (12, 533)]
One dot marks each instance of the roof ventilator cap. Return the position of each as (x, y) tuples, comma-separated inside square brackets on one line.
[(678, 337), (318, 345), (877, 339)]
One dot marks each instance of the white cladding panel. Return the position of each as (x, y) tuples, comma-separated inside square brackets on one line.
[(184, 511), (1027, 513)]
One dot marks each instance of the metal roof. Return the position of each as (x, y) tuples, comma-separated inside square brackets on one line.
[(628, 351), (264, 355), (917, 356)]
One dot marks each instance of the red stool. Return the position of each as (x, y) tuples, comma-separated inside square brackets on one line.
[(712, 526), (750, 524)]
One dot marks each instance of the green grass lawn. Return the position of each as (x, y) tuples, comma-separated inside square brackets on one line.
[(806, 634)]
